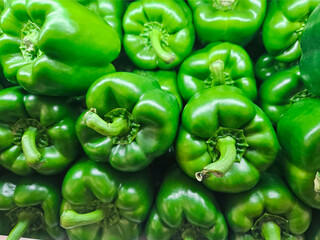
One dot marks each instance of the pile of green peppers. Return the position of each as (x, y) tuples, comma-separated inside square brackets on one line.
[(160, 120)]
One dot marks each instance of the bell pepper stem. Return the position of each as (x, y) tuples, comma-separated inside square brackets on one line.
[(228, 154), (70, 219), (224, 5), (119, 127), (24, 221), (189, 234), (155, 39), (317, 183), (270, 231), (29, 148), (216, 68)]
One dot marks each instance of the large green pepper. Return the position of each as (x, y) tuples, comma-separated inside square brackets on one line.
[(32, 205), (167, 80), (217, 64), (36, 132), (130, 121), (299, 135), (235, 21), (280, 91), (313, 232), (225, 140), (269, 211), (249, 236), (55, 47), (102, 204), (285, 22), (110, 10), (267, 65), (158, 34), (185, 210), (309, 63)]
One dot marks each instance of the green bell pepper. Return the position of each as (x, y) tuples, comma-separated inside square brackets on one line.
[(235, 21), (167, 80), (249, 236), (282, 28), (299, 136), (158, 34), (280, 91), (32, 205), (217, 64), (268, 211), (130, 121), (267, 65), (103, 204), (185, 210), (110, 10), (36, 132), (225, 140), (55, 47), (310, 47), (313, 232)]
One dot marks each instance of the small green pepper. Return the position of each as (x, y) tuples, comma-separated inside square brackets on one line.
[(184, 209), (217, 64), (32, 205), (235, 21), (158, 34), (268, 211), (101, 203), (37, 133), (130, 121), (299, 135), (225, 140), (55, 47)]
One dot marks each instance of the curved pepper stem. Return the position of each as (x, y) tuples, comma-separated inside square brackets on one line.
[(317, 183), (216, 68), (228, 155), (29, 148), (119, 127), (25, 219), (70, 219), (155, 38), (270, 231)]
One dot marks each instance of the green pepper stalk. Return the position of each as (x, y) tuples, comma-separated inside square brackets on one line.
[(228, 155)]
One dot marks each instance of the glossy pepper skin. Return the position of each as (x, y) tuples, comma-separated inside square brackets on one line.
[(37, 133), (235, 21), (217, 64), (130, 121), (299, 135), (310, 53), (225, 140), (313, 232), (249, 236), (32, 205), (267, 65), (55, 47), (280, 91), (158, 34), (184, 209), (103, 204), (167, 80), (268, 211), (110, 10), (282, 28)]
